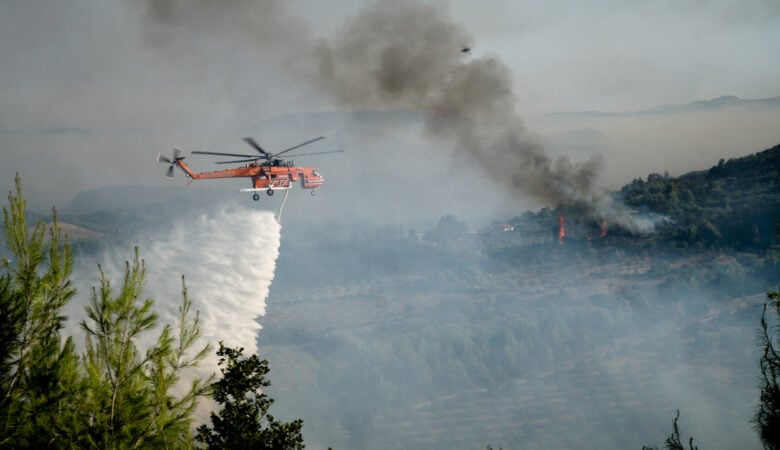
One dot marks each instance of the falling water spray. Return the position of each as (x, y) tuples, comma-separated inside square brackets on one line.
[(228, 258)]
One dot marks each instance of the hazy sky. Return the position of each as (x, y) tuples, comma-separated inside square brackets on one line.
[(614, 54), (139, 86), (566, 55)]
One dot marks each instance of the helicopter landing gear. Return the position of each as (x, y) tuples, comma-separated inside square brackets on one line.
[(256, 197), (270, 192)]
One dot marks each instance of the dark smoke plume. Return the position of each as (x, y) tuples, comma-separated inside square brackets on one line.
[(408, 54)]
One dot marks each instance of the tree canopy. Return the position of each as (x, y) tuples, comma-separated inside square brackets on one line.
[(244, 421)]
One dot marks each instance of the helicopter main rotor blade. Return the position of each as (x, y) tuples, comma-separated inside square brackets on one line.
[(298, 146), (257, 147), (315, 153), (237, 161), (223, 154)]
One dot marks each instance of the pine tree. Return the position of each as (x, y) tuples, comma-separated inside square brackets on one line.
[(767, 416), (38, 376), (244, 421), (673, 442), (117, 395), (129, 401)]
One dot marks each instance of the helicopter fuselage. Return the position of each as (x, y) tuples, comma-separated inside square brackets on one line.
[(277, 175)]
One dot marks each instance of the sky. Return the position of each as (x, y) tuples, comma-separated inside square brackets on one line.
[(613, 55), (114, 82), (631, 55)]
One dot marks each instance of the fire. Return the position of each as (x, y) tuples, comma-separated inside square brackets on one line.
[(602, 230), (561, 228)]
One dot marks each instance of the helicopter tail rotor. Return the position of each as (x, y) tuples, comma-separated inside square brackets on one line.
[(177, 156)]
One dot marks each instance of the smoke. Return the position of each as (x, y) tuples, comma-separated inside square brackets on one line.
[(228, 258), (265, 23), (246, 48), (409, 54)]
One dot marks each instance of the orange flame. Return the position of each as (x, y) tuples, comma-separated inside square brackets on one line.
[(561, 228), (603, 228)]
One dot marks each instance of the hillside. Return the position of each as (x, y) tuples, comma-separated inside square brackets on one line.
[(457, 339), (735, 203)]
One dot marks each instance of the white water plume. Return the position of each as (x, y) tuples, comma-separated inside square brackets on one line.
[(228, 258)]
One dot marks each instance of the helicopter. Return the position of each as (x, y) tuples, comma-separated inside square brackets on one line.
[(267, 171)]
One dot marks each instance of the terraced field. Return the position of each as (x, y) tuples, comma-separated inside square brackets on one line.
[(540, 356)]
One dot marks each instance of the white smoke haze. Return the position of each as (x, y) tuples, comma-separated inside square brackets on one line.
[(641, 144), (248, 51), (228, 258)]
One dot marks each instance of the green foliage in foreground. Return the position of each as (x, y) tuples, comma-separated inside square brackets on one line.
[(118, 394), (244, 421), (129, 399), (39, 382)]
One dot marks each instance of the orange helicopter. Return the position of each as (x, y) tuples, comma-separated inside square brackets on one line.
[(267, 172)]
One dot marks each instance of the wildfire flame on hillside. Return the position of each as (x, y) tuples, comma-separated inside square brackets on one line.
[(561, 228)]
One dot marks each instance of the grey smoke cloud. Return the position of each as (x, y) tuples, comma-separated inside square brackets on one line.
[(408, 54)]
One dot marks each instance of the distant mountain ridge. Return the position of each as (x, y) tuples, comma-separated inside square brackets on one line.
[(334, 119), (726, 101), (114, 197), (62, 131)]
